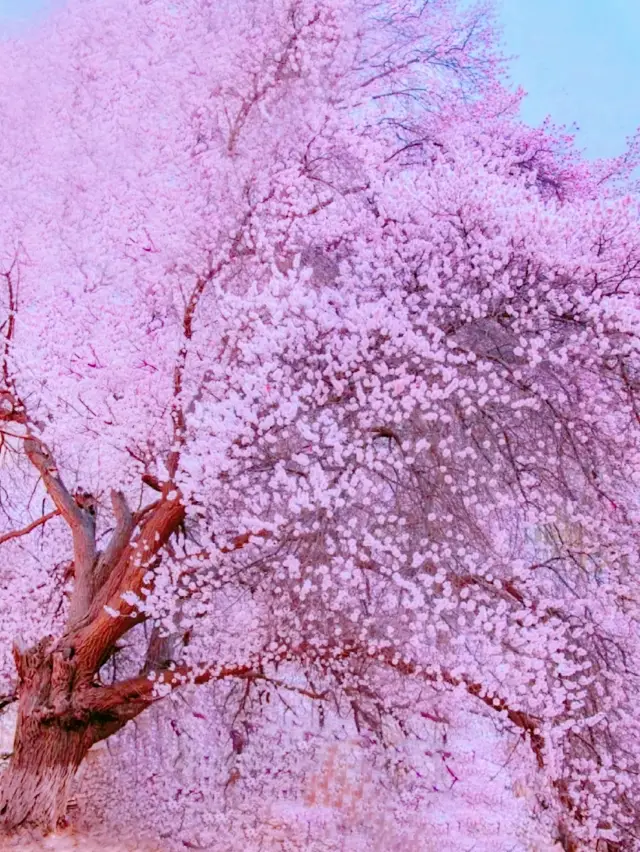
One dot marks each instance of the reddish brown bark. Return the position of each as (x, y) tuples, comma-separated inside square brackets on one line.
[(37, 783), (48, 749), (63, 710), (62, 707), (59, 718)]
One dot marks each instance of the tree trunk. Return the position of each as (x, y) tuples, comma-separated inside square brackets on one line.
[(36, 785), (49, 746), (63, 707), (62, 712)]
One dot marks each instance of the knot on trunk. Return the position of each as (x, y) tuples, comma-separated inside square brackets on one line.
[(48, 676), (65, 713), (29, 661), (63, 671)]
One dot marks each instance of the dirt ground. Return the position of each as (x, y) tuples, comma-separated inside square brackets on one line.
[(72, 842)]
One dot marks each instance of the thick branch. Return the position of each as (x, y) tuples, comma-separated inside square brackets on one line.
[(125, 525), (110, 707), (81, 523), (102, 627), (41, 458), (142, 689), (110, 617)]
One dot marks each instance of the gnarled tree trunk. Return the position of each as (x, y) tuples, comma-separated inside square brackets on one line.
[(50, 743), (63, 707), (61, 714), (36, 785)]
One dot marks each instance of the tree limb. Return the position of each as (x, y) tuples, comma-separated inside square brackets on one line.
[(32, 526), (146, 690), (120, 538), (109, 708), (101, 628), (81, 523)]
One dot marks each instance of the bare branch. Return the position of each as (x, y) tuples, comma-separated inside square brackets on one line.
[(152, 481), (101, 629), (32, 526), (80, 522), (125, 525)]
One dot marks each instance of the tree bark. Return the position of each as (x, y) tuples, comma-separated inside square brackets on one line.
[(37, 783), (63, 709), (49, 746)]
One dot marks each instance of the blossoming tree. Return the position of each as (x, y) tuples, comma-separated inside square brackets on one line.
[(319, 373)]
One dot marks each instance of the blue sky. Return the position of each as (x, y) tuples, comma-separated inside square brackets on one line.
[(579, 61), (19, 9)]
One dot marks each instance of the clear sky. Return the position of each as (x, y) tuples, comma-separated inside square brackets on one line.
[(579, 60), (11, 10)]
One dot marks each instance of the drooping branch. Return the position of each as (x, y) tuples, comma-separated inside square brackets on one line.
[(149, 687), (110, 707), (390, 658)]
